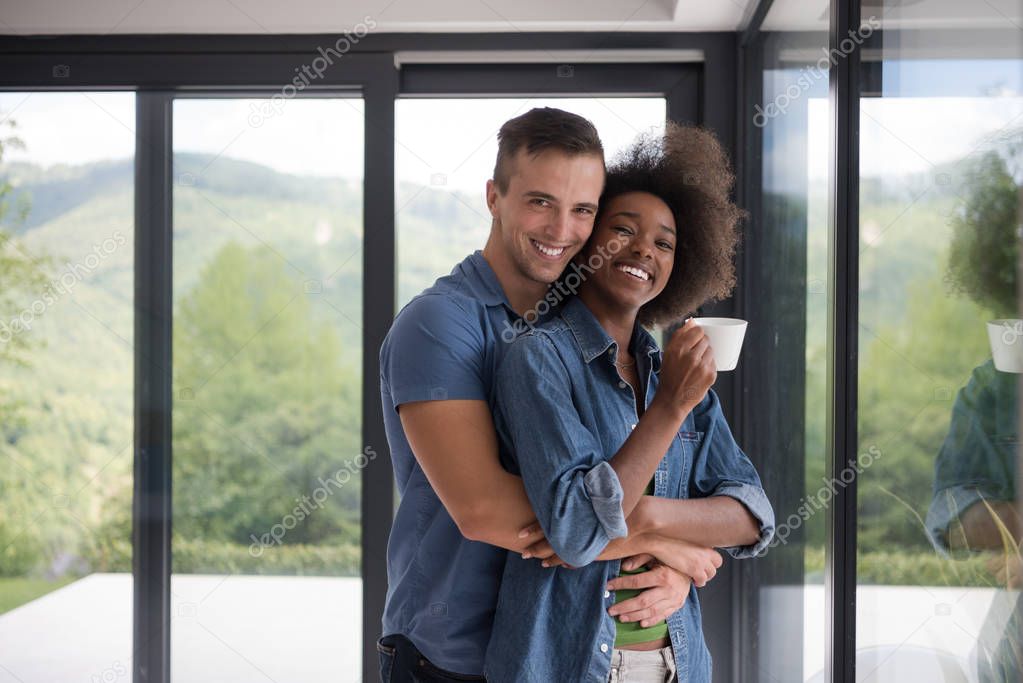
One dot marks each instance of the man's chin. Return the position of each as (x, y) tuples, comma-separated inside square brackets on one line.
[(542, 271)]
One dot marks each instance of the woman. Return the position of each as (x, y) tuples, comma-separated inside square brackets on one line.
[(570, 395)]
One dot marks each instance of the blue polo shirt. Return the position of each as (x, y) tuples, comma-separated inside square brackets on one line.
[(445, 344)]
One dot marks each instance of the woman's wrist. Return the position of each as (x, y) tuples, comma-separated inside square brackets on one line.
[(644, 519), (668, 409)]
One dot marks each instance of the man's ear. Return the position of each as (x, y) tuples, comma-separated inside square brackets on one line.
[(492, 197)]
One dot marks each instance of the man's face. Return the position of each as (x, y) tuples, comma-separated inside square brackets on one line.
[(547, 214)]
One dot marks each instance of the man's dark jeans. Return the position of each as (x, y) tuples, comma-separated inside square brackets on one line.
[(401, 662)]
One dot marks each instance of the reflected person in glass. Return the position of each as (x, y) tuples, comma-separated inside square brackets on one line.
[(973, 509)]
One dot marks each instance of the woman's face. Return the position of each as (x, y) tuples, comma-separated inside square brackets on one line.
[(636, 269)]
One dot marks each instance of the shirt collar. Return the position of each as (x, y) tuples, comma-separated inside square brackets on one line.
[(482, 281), (593, 340)]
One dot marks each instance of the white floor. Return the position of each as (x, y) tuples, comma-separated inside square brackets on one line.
[(904, 634), (233, 629), (245, 629)]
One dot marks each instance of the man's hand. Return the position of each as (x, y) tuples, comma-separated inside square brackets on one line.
[(540, 549), (666, 591), (687, 369)]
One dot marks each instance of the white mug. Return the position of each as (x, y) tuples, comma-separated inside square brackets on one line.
[(725, 336)]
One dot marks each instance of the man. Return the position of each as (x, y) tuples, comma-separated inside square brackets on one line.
[(460, 510)]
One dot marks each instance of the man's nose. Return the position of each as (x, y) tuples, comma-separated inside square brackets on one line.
[(560, 226)]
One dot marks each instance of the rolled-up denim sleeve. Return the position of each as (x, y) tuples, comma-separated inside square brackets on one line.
[(721, 468), (947, 507), (575, 493)]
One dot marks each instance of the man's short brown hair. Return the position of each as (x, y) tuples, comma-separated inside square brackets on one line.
[(541, 129)]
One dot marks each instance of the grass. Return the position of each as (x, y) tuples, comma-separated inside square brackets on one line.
[(16, 591)]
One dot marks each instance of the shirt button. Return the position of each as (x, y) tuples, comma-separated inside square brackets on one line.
[(621, 385), (603, 647), (607, 594)]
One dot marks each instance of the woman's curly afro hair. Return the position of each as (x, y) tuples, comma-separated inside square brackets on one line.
[(688, 169)]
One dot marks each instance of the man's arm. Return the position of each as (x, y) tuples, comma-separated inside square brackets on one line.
[(986, 525), (455, 444)]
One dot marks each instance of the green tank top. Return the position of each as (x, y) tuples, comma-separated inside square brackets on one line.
[(630, 632)]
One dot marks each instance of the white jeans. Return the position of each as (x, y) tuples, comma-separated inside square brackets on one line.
[(643, 666)]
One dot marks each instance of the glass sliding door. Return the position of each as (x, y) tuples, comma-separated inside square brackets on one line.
[(787, 120), (66, 366), (941, 134), (267, 353)]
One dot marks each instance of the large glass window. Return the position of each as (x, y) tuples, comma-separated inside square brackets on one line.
[(938, 564), (66, 349), (787, 363), (267, 389)]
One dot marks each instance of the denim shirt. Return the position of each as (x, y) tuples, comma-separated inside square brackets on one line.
[(562, 410), (977, 460)]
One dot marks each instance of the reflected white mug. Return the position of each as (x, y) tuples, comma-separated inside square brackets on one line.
[(1006, 338)]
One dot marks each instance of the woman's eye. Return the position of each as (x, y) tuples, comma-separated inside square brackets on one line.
[(665, 245), (622, 229)]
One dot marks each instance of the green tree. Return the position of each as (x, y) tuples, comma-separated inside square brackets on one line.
[(263, 406), (20, 274), (985, 247)]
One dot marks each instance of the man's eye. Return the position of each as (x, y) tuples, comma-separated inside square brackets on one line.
[(541, 202)]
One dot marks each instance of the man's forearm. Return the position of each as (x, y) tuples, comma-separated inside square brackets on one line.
[(504, 513), (714, 522), (980, 528)]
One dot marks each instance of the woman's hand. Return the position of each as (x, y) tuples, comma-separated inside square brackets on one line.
[(687, 369), (664, 591), (697, 562)]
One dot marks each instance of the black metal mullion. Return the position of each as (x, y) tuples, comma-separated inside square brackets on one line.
[(151, 502), (749, 188), (378, 303), (843, 219)]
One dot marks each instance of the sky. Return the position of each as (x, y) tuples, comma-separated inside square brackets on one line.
[(441, 142), (453, 143)]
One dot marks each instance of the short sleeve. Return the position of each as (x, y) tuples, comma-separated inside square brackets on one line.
[(434, 352)]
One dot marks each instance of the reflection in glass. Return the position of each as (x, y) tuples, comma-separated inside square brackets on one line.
[(938, 558)]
